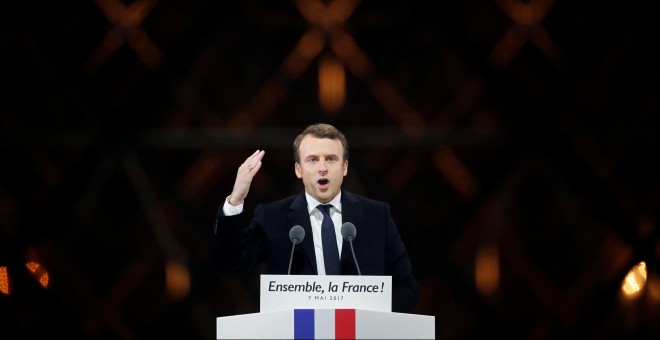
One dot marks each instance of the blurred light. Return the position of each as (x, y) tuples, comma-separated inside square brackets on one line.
[(635, 280), (126, 20), (396, 105), (653, 286), (527, 20), (345, 47), (4, 281), (455, 171), (38, 272), (332, 83), (200, 174), (177, 280), (307, 48), (487, 269)]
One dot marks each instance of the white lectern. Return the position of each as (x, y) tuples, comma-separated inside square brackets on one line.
[(325, 307)]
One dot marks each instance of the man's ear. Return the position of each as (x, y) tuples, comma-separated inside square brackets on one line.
[(346, 167), (297, 169)]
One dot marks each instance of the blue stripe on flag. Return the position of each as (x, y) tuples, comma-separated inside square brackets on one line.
[(303, 324)]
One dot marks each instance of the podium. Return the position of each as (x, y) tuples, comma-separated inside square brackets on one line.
[(326, 324), (325, 307)]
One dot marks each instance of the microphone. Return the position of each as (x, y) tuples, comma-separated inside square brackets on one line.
[(296, 235), (348, 233)]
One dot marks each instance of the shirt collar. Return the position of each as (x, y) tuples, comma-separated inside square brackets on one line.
[(312, 203)]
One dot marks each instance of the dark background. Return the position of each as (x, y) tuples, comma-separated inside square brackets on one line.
[(522, 130)]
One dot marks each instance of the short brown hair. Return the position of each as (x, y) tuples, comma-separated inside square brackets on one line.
[(319, 130)]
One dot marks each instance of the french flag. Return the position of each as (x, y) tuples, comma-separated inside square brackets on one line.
[(324, 324)]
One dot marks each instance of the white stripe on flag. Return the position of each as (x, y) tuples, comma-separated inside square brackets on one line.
[(324, 323)]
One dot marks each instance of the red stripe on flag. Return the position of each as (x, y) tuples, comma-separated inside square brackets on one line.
[(344, 323)]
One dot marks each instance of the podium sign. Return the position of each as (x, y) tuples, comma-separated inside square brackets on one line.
[(287, 292)]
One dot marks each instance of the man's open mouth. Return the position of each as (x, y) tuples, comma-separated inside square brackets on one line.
[(323, 181)]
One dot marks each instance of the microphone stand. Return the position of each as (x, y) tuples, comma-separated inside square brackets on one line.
[(354, 258)]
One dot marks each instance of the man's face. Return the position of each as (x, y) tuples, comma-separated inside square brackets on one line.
[(322, 167)]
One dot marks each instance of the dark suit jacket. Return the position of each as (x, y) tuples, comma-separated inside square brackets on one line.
[(377, 244)]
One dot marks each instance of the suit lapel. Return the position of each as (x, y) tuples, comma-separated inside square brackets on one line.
[(350, 212), (299, 215)]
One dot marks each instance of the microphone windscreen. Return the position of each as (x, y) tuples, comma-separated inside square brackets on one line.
[(296, 234), (348, 231)]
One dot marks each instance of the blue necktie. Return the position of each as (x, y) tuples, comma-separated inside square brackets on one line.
[(330, 251)]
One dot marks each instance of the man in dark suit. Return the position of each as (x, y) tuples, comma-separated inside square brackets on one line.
[(321, 161)]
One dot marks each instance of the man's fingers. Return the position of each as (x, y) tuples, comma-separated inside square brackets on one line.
[(256, 167), (254, 161)]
